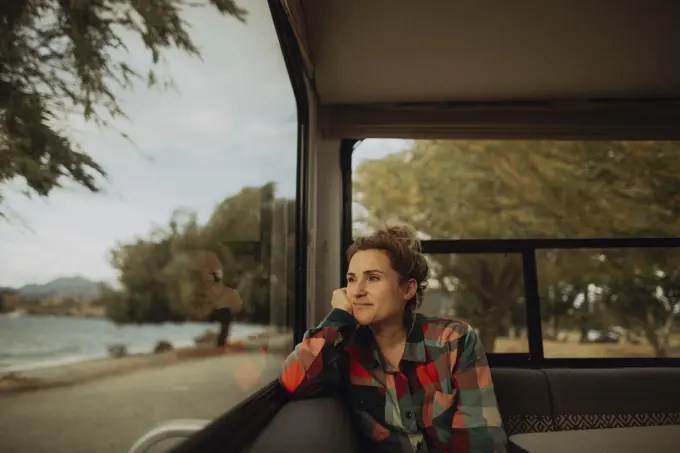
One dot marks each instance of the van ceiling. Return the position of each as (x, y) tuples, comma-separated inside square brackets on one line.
[(395, 51)]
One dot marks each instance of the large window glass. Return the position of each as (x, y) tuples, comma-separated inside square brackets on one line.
[(484, 290), (112, 304), (455, 189), (610, 302), (594, 303)]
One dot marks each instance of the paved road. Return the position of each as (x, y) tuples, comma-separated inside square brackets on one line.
[(108, 415)]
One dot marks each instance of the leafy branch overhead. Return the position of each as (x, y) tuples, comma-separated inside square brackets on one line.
[(60, 58)]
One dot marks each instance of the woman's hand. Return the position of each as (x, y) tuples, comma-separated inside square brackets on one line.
[(341, 301)]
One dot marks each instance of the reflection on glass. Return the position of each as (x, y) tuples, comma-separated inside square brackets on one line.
[(484, 290), (458, 189), (610, 302)]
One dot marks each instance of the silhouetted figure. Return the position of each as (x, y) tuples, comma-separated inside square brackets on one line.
[(584, 328), (212, 300), (225, 318)]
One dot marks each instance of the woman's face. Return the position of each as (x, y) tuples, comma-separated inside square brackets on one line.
[(375, 289)]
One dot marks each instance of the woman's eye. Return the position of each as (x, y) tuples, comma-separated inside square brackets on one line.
[(373, 278)]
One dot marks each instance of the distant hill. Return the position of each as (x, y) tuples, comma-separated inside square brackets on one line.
[(76, 287)]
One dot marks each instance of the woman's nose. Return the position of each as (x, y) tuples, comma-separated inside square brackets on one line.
[(357, 289)]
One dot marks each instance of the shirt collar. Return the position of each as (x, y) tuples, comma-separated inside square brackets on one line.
[(415, 342), (414, 351)]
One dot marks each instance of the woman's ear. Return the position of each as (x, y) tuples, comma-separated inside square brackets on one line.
[(410, 289)]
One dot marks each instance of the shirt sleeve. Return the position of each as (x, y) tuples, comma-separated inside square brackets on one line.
[(309, 365), (477, 426)]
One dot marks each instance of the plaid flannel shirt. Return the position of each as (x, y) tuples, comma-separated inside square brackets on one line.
[(440, 399)]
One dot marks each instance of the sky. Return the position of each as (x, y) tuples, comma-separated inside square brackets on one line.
[(230, 123)]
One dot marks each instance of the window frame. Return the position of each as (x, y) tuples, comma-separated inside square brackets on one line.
[(527, 248), (293, 61)]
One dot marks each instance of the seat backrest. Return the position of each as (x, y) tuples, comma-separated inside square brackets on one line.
[(614, 398), (544, 400), (523, 399)]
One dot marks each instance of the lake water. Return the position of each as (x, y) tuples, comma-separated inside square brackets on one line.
[(28, 342)]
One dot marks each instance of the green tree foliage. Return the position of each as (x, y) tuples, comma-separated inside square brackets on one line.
[(162, 277), (69, 57), (534, 189), (643, 292)]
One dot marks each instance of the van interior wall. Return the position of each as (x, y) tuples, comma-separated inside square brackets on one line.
[(324, 218)]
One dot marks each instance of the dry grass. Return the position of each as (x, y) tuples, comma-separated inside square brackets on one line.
[(578, 350)]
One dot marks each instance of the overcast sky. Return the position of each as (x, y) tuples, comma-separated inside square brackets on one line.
[(231, 124)]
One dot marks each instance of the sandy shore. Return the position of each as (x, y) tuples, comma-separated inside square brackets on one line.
[(77, 373)]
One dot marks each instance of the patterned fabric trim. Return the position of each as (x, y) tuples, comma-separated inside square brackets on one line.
[(601, 421), (519, 424)]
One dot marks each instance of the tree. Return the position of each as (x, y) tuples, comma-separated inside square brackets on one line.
[(520, 189), (166, 277), (564, 277), (645, 294), (495, 281), (145, 297), (67, 57), (462, 190)]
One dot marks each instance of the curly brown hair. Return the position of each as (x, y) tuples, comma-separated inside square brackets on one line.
[(403, 248)]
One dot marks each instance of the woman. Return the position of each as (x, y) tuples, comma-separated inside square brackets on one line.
[(414, 383)]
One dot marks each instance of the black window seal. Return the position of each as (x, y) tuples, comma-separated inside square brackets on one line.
[(292, 58)]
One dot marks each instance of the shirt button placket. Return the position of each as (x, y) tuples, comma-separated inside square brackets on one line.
[(408, 416)]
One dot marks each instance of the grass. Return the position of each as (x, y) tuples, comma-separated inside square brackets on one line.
[(573, 349)]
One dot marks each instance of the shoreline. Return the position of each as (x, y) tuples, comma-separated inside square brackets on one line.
[(46, 341), (270, 341)]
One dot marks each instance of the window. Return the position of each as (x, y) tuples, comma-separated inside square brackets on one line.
[(494, 207), (193, 219), (484, 290), (503, 189), (610, 302)]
